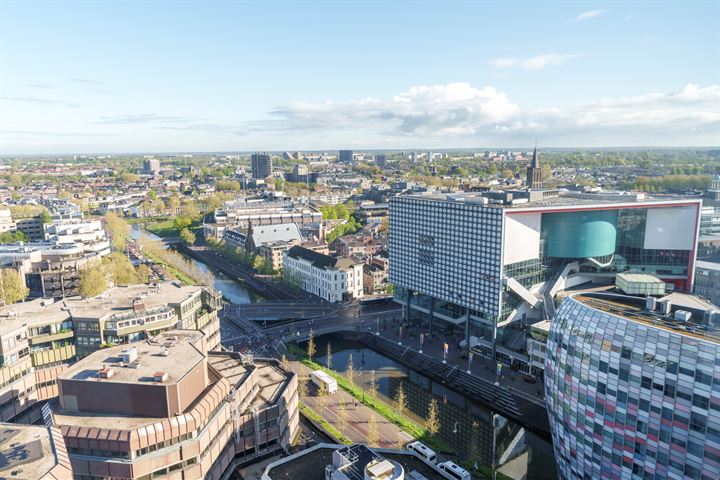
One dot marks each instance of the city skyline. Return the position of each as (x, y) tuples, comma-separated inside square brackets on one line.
[(319, 76)]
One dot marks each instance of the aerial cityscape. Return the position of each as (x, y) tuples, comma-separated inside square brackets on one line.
[(359, 240)]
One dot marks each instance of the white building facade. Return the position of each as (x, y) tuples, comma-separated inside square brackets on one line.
[(333, 279)]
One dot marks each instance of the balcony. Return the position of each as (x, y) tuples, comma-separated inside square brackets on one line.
[(51, 337)]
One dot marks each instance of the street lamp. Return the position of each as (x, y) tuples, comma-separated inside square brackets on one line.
[(457, 453)]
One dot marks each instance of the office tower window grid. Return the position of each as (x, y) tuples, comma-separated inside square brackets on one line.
[(448, 250)]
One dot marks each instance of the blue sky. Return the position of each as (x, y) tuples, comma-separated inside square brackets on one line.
[(216, 76)]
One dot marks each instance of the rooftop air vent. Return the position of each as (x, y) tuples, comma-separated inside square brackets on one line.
[(160, 377), (129, 355), (106, 372)]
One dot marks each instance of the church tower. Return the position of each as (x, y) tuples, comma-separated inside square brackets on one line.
[(534, 173)]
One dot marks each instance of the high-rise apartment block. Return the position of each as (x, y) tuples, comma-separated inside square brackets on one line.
[(261, 165), (345, 156), (633, 387), (151, 166)]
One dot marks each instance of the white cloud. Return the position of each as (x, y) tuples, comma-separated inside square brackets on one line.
[(452, 109), (457, 113), (533, 63), (588, 15)]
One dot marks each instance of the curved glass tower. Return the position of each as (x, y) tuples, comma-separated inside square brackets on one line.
[(632, 393)]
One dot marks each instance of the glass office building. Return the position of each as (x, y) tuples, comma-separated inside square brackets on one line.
[(634, 393)]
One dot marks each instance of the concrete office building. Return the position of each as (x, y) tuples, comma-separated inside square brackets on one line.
[(261, 164), (331, 278), (168, 407), (707, 281), (633, 387), (499, 259), (33, 453), (345, 156), (39, 338)]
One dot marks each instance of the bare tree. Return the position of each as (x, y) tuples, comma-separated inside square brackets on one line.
[(342, 416), (372, 434), (350, 370), (311, 349), (400, 399), (284, 364), (372, 386), (322, 396), (432, 423), (328, 356)]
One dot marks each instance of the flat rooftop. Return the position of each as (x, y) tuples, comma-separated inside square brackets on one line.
[(43, 311), (25, 449), (270, 379), (565, 199), (118, 299), (633, 309), (171, 352)]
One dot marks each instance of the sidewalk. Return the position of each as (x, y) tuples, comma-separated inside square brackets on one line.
[(481, 366), (358, 415)]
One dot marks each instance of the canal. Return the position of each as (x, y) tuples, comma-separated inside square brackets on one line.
[(234, 292), (465, 425)]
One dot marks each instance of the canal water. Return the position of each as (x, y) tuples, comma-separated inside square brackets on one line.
[(233, 291), (465, 425)]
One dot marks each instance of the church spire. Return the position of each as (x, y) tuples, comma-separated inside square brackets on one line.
[(535, 162)]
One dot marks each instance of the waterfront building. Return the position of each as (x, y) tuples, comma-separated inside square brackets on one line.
[(331, 278), (33, 453), (241, 213), (489, 264), (633, 387), (261, 164), (707, 280), (169, 407), (40, 338)]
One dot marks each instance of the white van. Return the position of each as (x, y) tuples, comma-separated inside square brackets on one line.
[(319, 378), (422, 450), (453, 472)]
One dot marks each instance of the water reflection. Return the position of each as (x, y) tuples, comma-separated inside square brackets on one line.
[(233, 291), (464, 424)]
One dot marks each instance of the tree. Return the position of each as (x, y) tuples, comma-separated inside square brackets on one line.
[(328, 356), (143, 273), (400, 441), (322, 396), (284, 364), (400, 399), (13, 237), (187, 236), (432, 423), (119, 230), (372, 386), (302, 387), (372, 433), (152, 195), (13, 286), (350, 370), (119, 270), (475, 449), (181, 222), (342, 416), (173, 202), (92, 282), (311, 350)]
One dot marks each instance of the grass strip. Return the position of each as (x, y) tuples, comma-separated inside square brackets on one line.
[(377, 405), (327, 427)]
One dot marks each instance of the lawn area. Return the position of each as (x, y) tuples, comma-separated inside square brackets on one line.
[(329, 429), (163, 228), (377, 405)]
